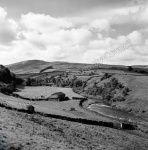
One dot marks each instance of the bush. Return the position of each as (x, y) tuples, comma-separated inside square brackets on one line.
[(125, 91), (5, 75), (108, 91), (118, 99), (19, 81), (28, 82), (106, 76), (130, 68), (7, 89)]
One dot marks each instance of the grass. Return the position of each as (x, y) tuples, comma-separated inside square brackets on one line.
[(137, 100), (39, 133), (50, 107), (45, 91)]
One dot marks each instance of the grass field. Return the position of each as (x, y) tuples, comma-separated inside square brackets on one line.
[(50, 107), (35, 132), (45, 91), (137, 100)]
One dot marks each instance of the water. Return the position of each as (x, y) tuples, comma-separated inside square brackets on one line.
[(114, 113)]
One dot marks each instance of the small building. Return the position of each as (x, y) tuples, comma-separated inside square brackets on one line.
[(58, 96), (30, 109)]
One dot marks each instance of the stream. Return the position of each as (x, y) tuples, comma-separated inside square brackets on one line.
[(118, 114)]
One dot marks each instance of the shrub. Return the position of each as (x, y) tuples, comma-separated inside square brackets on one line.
[(106, 76), (28, 82), (130, 68), (118, 99), (5, 75), (9, 88), (125, 91), (108, 91)]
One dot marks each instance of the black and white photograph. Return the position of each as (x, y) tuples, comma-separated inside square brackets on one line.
[(73, 74)]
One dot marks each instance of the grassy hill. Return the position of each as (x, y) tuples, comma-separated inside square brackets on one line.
[(137, 99), (35, 66)]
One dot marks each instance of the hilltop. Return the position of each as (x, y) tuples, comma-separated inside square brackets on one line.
[(35, 66)]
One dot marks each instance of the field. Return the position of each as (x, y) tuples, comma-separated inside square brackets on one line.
[(50, 107), (137, 100), (41, 133), (45, 91)]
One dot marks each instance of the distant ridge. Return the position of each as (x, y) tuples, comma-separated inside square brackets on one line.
[(37, 66)]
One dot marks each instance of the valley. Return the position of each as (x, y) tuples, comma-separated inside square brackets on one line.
[(112, 98)]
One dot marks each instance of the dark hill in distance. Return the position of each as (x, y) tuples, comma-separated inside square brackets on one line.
[(35, 66)]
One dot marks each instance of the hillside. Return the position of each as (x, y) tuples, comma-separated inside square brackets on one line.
[(137, 100), (37, 132), (35, 66)]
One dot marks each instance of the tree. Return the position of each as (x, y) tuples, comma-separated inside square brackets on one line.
[(95, 85), (5, 75), (78, 83), (130, 68), (28, 82), (125, 91), (8, 88)]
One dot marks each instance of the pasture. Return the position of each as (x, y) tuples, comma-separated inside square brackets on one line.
[(45, 92)]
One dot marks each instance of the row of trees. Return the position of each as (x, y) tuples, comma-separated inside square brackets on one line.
[(58, 81), (106, 76), (138, 70)]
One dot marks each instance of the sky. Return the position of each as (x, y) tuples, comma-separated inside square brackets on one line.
[(80, 31)]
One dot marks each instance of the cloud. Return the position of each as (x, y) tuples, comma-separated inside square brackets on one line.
[(135, 37), (8, 28), (3, 14), (131, 15), (100, 25), (98, 49), (44, 23), (137, 2), (40, 36), (43, 31), (44, 37)]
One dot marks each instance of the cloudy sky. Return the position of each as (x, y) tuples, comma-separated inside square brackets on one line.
[(73, 30)]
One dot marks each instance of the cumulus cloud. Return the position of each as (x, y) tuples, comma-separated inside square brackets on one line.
[(135, 37), (132, 15), (44, 37), (8, 28), (100, 48), (40, 36), (100, 25), (44, 23), (3, 14)]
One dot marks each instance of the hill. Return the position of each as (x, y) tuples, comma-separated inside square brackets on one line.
[(35, 66)]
